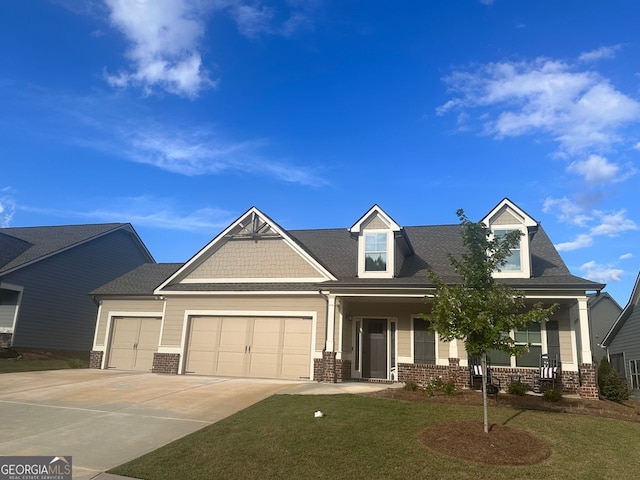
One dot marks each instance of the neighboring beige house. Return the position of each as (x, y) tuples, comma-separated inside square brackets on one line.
[(333, 305)]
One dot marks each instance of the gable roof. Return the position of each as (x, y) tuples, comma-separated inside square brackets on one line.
[(22, 246), (624, 315), (252, 224)]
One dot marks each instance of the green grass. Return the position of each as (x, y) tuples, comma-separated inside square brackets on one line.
[(12, 365), (369, 438)]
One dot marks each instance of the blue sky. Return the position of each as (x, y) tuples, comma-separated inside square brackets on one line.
[(177, 116)]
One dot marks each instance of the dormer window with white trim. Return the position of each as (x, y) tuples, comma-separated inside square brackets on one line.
[(507, 217), (382, 244)]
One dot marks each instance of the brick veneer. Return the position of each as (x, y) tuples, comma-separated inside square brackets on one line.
[(588, 387), (569, 382), (330, 369), (5, 340), (95, 359), (165, 363)]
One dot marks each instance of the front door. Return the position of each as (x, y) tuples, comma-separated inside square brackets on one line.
[(374, 348)]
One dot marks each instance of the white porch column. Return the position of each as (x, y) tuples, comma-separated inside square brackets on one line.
[(340, 327), (585, 339), (453, 349), (331, 322)]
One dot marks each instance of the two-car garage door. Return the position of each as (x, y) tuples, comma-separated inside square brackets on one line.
[(259, 347)]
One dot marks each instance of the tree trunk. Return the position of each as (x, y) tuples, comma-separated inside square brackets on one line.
[(485, 404)]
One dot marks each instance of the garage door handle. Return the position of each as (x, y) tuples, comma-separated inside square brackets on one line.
[(135, 346), (249, 348), (245, 349)]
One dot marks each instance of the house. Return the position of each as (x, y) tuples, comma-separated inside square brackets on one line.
[(334, 305), (623, 340), (46, 274), (603, 312)]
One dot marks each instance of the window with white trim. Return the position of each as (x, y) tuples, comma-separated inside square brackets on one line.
[(424, 342), (375, 252), (514, 260), (530, 335)]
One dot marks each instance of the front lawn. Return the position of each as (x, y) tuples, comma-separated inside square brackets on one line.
[(33, 360), (373, 438)]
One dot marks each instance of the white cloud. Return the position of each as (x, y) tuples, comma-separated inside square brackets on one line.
[(609, 225), (154, 212), (626, 256), (601, 273), (566, 211), (165, 37), (7, 207), (612, 224), (578, 109), (581, 241), (253, 20), (599, 54), (200, 152), (597, 170)]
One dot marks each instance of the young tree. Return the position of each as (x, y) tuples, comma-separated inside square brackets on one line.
[(479, 310)]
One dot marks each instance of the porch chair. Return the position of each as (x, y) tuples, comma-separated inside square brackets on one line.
[(549, 369), (475, 371)]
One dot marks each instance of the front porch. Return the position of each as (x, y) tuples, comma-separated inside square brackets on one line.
[(383, 339)]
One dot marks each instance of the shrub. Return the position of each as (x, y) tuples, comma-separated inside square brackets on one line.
[(604, 369), (553, 395), (411, 386), (517, 388), (614, 387), (437, 385), (75, 363)]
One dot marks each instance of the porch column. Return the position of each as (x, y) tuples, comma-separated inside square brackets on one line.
[(331, 322), (585, 340)]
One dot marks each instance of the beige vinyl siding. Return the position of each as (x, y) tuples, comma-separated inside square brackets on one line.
[(268, 258), (177, 305), (129, 306), (375, 223), (506, 218)]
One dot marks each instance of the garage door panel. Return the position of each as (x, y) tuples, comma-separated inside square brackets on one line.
[(134, 342), (261, 347)]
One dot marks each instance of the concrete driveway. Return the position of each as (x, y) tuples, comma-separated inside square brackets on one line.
[(103, 418)]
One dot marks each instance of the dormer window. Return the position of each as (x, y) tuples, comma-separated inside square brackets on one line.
[(375, 252), (514, 261), (382, 244), (507, 217)]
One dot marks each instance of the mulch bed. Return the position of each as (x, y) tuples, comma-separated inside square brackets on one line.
[(503, 445)]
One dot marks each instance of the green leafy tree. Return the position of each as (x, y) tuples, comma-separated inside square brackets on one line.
[(477, 309)]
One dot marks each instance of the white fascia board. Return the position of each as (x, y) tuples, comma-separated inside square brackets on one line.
[(526, 219), (170, 293), (375, 210)]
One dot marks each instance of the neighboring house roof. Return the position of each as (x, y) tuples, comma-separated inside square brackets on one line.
[(140, 281), (624, 315), (594, 299), (22, 246)]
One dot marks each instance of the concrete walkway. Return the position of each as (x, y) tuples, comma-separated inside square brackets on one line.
[(104, 418)]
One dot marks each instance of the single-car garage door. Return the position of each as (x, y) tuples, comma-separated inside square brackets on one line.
[(133, 342), (260, 347)]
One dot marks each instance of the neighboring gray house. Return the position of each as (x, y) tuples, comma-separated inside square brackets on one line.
[(603, 312), (47, 273), (623, 340)]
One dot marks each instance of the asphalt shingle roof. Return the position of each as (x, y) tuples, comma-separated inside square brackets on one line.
[(142, 280), (20, 246), (337, 251)]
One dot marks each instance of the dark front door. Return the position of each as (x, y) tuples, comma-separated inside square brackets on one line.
[(374, 348)]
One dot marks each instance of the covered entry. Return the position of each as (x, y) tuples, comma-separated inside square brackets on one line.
[(134, 340), (248, 346)]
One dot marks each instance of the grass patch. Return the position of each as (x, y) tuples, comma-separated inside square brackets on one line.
[(362, 438), (12, 361)]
